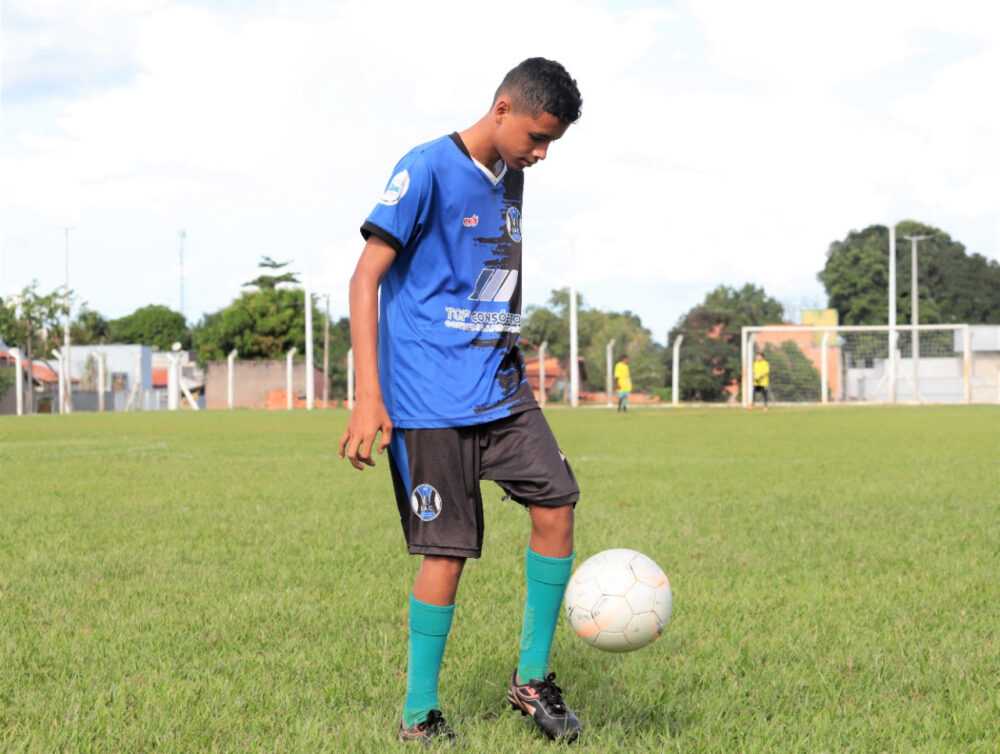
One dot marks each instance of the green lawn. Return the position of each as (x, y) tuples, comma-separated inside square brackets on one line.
[(222, 582)]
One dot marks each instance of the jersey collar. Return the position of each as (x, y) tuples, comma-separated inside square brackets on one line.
[(494, 179)]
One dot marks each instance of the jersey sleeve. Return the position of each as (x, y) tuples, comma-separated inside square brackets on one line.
[(402, 210)]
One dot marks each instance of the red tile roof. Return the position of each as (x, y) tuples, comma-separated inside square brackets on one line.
[(42, 372)]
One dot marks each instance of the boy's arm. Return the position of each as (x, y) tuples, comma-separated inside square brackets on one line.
[(369, 416)]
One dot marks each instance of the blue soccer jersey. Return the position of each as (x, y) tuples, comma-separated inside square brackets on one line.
[(450, 305)]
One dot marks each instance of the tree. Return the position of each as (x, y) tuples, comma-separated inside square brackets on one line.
[(551, 323), (262, 324), (89, 327), (595, 329), (631, 339), (710, 354), (7, 378), (340, 344), (267, 322), (542, 324), (267, 282), (26, 320), (954, 287), (152, 325)]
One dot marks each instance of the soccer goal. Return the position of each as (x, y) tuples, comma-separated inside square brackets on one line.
[(855, 364)]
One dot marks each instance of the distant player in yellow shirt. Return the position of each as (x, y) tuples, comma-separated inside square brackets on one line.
[(623, 383), (761, 378)]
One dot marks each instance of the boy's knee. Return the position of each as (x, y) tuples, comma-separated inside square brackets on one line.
[(553, 520)]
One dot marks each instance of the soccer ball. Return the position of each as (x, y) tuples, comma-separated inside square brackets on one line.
[(618, 600)]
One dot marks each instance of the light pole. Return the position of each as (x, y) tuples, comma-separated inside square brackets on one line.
[(610, 370), (892, 315), (574, 366), (541, 371), (915, 313), (310, 376)]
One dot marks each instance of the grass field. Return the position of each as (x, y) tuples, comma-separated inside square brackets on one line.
[(222, 582)]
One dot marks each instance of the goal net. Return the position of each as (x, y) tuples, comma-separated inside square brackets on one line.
[(850, 364)]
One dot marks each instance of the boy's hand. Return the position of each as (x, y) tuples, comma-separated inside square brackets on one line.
[(367, 420)]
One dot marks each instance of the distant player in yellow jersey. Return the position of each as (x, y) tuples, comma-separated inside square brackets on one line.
[(623, 383), (761, 379)]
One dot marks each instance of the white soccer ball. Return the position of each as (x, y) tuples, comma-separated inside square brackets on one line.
[(618, 600)]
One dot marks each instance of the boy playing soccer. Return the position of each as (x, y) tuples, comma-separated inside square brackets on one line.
[(623, 382), (440, 376)]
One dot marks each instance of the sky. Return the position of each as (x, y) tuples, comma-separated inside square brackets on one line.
[(721, 143)]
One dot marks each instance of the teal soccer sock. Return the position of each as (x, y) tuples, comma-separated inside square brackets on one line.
[(429, 627), (547, 579)]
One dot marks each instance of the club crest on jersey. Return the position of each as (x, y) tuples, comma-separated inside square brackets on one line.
[(426, 502), (470, 222), (514, 224), (396, 189)]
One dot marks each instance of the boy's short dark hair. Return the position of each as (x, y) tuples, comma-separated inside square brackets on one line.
[(537, 84)]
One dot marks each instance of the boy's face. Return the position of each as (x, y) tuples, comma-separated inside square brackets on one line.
[(521, 139)]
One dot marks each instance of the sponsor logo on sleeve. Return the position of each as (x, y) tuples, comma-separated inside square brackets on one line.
[(396, 189), (470, 222)]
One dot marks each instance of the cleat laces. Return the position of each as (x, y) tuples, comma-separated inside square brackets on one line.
[(551, 694), (434, 723)]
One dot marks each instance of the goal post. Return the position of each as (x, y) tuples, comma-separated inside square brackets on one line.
[(855, 363)]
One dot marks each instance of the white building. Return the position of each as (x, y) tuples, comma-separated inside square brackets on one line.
[(128, 376)]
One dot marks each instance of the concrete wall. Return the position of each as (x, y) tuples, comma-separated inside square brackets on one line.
[(253, 380), (941, 380), (985, 377)]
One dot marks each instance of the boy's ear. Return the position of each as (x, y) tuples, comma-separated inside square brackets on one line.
[(501, 108)]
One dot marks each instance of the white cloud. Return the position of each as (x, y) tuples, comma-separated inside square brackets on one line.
[(717, 145)]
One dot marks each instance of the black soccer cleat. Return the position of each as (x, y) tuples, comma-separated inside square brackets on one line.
[(431, 732), (543, 701)]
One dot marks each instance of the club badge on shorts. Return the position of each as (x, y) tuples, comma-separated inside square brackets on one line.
[(426, 502)]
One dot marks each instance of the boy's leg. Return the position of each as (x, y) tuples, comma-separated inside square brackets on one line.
[(435, 476), (532, 689), (432, 606), (522, 456), (548, 566), (437, 579)]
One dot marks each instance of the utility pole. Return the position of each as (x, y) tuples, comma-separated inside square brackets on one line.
[(915, 313), (66, 399), (183, 238)]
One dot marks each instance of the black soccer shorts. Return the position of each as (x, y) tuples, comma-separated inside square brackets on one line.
[(436, 474)]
